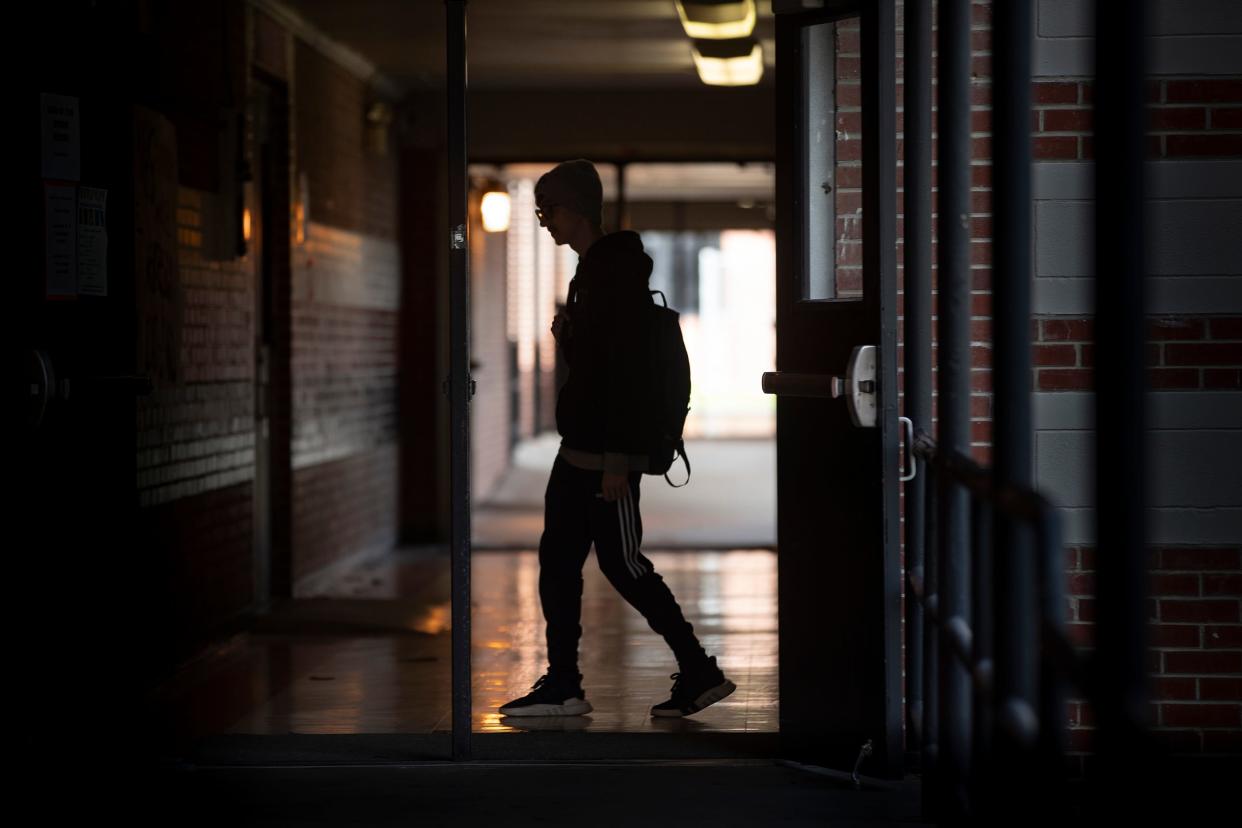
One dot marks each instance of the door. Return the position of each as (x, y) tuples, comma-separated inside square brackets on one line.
[(79, 579), (270, 234), (837, 522)]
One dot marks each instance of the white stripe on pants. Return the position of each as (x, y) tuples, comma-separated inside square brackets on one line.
[(629, 535)]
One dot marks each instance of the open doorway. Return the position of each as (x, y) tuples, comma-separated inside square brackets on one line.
[(709, 231)]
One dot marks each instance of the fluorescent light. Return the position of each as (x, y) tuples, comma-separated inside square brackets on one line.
[(495, 209), (719, 68), (717, 21)]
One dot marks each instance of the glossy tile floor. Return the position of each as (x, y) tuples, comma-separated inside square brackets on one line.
[(729, 597), (371, 654)]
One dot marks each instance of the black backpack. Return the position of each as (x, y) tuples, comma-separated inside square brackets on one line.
[(669, 399)]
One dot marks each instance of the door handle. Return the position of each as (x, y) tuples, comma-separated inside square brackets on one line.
[(911, 466), (786, 384), (46, 389), (857, 386)]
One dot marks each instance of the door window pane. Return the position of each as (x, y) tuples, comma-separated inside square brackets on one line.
[(832, 162)]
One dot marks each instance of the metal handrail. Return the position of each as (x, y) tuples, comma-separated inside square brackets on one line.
[(1061, 663), (960, 635), (1015, 715), (1025, 504)]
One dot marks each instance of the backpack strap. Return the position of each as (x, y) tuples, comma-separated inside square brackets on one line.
[(681, 452), (663, 298)]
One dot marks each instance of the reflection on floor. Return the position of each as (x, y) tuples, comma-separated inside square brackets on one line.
[(729, 597), (371, 655)]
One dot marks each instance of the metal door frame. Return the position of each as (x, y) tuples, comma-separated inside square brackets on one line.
[(271, 250), (459, 384)]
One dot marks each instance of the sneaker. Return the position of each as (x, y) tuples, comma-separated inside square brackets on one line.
[(695, 689), (551, 697)]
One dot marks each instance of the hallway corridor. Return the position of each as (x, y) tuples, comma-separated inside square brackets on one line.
[(730, 503)]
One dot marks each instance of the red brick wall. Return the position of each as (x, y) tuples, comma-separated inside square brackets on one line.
[(344, 380), (1189, 118), (196, 459), (1196, 651), (344, 506), (1186, 353), (346, 299), (1195, 646), (981, 231), (196, 446), (350, 188), (200, 569), (1196, 655), (848, 249)]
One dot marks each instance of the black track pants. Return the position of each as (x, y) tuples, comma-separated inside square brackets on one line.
[(575, 516)]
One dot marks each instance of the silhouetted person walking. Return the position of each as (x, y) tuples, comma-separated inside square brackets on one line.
[(593, 492)]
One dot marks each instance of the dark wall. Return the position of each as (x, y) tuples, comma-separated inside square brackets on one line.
[(146, 498)]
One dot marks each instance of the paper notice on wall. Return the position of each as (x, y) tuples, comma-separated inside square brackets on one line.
[(61, 146), (61, 239), (92, 241)]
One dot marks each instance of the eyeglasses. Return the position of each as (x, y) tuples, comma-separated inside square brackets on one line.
[(542, 213)]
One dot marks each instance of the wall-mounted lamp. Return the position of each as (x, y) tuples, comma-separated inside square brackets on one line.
[(246, 223), (720, 20), (301, 210), (736, 62), (379, 121), (495, 210)]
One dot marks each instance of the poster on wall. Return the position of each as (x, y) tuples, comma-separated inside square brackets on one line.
[(61, 146), (60, 242), (92, 241), (158, 293)]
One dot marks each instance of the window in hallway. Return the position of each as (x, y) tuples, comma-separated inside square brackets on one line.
[(722, 282)]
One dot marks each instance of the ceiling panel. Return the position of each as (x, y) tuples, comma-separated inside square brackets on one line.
[(532, 44)]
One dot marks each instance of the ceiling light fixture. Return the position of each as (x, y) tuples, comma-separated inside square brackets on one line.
[(736, 62), (719, 20)]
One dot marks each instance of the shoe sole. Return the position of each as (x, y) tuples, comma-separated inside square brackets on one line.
[(572, 707), (708, 698)]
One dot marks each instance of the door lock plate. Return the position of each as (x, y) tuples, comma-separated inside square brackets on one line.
[(858, 387)]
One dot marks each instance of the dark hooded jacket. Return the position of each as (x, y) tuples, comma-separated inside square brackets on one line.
[(601, 407)]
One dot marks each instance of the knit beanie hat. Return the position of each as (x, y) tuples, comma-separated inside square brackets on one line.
[(574, 185)]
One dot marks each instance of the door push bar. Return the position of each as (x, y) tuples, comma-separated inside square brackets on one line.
[(857, 386)]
